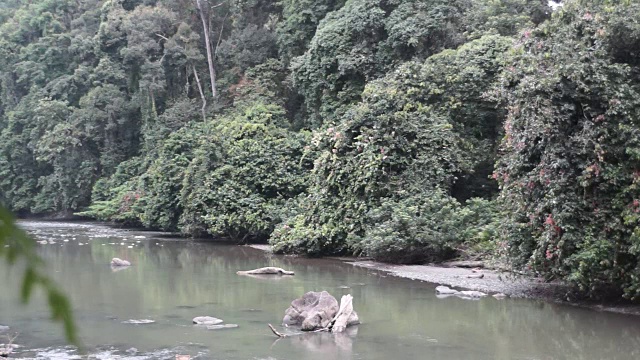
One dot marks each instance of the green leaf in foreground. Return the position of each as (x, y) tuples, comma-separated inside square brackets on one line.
[(15, 245)]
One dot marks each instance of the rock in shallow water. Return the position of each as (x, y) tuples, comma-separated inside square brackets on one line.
[(4, 328), (443, 290), (315, 310), (119, 262), (207, 320)]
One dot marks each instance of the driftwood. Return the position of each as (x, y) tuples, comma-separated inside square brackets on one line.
[(475, 276), (276, 332), (344, 317), (270, 270), (8, 347)]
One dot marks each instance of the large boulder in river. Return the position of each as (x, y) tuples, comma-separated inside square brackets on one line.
[(313, 311), (115, 262)]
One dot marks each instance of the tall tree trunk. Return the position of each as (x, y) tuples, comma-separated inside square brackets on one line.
[(205, 28), (204, 100)]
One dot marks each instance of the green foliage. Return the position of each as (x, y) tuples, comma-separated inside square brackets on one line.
[(236, 188), (571, 152), (16, 246), (363, 40), (415, 132), (415, 228), (299, 23)]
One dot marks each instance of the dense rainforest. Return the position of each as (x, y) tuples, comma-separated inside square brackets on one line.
[(404, 130)]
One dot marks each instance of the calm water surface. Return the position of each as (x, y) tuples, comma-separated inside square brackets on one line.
[(173, 280)]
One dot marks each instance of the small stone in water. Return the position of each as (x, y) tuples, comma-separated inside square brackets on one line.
[(130, 247)]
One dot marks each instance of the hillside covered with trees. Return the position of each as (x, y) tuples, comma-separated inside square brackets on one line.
[(404, 130)]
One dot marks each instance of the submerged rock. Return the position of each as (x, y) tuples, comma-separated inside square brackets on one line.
[(207, 320), (269, 270), (314, 311), (225, 326), (119, 262), (139, 322)]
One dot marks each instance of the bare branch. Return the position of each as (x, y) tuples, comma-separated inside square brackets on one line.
[(215, 52), (204, 100), (279, 334), (164, 37)]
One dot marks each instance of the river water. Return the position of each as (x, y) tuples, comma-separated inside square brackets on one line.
[(173, 280)]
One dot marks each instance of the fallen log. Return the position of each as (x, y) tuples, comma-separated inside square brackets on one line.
[(270, 270)]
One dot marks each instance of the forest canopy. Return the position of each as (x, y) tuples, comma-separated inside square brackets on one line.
[(404, 130)]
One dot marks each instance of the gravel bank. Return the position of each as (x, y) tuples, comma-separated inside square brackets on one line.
[(492, 282)]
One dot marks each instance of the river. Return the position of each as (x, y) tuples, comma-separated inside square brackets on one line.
[(173, 280)]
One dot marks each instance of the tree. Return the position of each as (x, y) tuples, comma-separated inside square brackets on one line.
[(570, 156), (205, 18)]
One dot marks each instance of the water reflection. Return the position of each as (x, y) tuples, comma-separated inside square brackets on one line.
[(172, 281)]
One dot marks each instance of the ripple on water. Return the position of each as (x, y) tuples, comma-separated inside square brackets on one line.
[(196, 351)]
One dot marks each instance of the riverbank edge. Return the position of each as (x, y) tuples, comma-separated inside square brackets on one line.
[(492, 282)]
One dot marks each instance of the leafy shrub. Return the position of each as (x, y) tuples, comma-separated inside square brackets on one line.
[(418, 228), (415, 132), (240, 195)]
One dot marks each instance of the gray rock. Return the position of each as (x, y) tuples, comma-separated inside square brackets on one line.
[(313, 311), (4, 328), (443, 290), (207, 320), (115, 262), (225, 326)]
